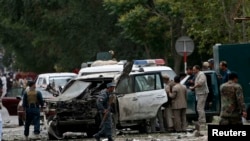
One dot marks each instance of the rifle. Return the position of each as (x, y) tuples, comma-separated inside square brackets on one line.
[(105, 116)]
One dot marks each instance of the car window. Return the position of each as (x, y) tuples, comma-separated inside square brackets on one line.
[(59, 81), (44, 81), (40, 81), (125, 86), (147, 82), (15, 91)]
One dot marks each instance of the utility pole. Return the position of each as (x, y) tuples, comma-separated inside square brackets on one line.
[(242, 19)]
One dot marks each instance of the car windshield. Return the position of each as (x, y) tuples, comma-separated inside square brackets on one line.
[(60, 80), (73, 91)]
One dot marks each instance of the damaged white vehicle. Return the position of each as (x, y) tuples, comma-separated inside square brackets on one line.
[(138, 96)]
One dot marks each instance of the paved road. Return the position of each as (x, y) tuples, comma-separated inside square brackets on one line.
[(13, 132)]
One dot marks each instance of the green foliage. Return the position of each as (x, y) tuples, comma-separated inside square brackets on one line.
[(49, 34), (58, 35)]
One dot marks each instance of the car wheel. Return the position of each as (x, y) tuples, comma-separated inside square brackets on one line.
[(90, 133), (144, 127), (20, 121), (55, 131)]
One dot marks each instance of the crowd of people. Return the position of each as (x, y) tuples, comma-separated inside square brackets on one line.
[(7, 82), (172, 116), (174, 111)]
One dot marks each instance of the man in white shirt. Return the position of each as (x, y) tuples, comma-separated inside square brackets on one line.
[(4, 83), (6, 117), (201, 92)]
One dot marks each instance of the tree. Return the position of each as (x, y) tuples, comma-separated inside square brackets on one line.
[(48, 35)]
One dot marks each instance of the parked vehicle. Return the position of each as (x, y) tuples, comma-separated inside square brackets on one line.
[(238, 59), (136, 101), (149, 65), (20, 111), (10, 101), (56, 81)]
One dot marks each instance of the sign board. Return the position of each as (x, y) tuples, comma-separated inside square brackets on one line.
[(184, 45)]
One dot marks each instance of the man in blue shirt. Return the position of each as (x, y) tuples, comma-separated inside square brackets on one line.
[(32, 100), (224, 71), (103, 107)]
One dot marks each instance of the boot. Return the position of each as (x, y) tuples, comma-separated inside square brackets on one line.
[(97, 137), (110, 138)]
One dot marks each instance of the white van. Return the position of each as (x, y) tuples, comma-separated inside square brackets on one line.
[(137, 98), (149, 65), (57, 79)]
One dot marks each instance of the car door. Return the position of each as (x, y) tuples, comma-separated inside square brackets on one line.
[(10, 101), (151, 94), (128, 101), (191, 98), (128, 105)]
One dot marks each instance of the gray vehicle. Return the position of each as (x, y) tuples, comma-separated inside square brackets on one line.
[(136, 101)]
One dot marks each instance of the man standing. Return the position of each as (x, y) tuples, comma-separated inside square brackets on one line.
[(5, 115), (201, 92), (224, 71), (103, 106), (190, 81), (168, 113), (179, 105), (211, 63), (32, 100), (232, 102)]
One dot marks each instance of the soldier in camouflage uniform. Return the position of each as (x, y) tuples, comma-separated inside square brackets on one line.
[(232, 102)]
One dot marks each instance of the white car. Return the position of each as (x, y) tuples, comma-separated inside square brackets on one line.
[(149, 65), (138, 97), (56, 80)]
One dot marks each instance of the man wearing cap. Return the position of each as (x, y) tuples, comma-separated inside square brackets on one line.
[(103, 107), (32, 100)]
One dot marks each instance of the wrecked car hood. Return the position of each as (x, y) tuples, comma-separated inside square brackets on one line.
[(77, 88)]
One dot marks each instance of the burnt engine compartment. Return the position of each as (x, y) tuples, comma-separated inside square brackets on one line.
[(81, 107), (79, 114), (77, 109)]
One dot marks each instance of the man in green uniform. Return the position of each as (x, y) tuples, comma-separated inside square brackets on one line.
[(232, 102), (32, 100)]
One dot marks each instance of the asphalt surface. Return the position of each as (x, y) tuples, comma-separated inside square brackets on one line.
[(13, 132)]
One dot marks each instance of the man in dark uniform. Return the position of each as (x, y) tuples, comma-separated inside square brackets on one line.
[(103, 107), (32, 100), (232, 102)]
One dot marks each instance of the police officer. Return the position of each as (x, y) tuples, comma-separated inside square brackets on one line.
[(103, 107), (232, 102), (32, 100)]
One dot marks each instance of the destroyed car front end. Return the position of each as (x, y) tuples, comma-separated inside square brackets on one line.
[(76, 108)]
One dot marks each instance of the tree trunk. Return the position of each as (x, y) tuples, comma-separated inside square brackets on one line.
[(147, 51)]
